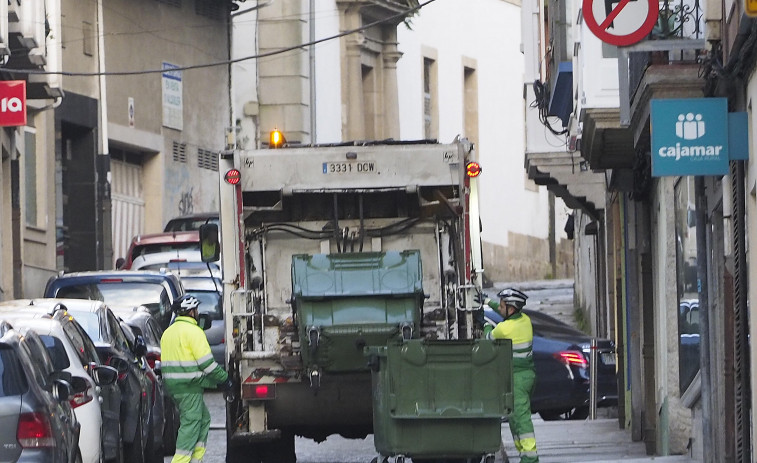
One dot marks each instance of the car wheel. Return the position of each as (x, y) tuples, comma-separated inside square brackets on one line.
[(580, 413), (135, 452), (552, 415)]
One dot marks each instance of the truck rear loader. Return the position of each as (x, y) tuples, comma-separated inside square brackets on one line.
[(349, 274)]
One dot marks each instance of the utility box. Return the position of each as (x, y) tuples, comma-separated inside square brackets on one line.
[(440, 399), (346, 302)]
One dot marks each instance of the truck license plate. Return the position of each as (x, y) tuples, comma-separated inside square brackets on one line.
[(352, 167), (608, 358)]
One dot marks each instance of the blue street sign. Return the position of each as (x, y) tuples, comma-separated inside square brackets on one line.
[(689, 136)]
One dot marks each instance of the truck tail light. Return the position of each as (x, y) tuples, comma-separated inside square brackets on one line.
[(252, 391)]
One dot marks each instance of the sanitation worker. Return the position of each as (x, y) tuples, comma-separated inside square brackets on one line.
[(188, 368), (516, 326)]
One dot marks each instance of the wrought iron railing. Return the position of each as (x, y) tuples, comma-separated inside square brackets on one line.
[(677, 19)]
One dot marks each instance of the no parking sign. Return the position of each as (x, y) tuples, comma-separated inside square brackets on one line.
[(620, 22)]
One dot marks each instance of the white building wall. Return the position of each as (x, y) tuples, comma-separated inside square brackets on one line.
[(487, 32)]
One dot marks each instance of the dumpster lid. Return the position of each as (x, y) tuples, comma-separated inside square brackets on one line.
[(394, 273)]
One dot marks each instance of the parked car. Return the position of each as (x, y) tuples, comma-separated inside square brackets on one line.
[(209, 291), (155, 290), (104, 328), (561, 357), (142, 245), (140, 323), (96, 402), (37, 421), (191, 221)]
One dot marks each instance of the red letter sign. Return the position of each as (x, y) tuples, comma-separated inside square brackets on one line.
[(12, 103)]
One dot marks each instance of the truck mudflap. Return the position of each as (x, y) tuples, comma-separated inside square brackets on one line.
[(440, 399)]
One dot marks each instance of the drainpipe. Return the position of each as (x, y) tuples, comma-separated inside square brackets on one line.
[(104, 246), (704, 317), (311, 56)]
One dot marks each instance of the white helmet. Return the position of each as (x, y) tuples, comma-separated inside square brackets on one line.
[(185, 304), (513, 297)]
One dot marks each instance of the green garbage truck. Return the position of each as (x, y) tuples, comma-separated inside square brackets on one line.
[(349, 277)]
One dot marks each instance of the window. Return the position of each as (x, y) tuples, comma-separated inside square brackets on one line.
[(686, 273), (430, 120), (57, 352), (470, 103), (207, 159), (179, 152)]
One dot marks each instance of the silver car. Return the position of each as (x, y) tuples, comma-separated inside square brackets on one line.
[(37, 423)]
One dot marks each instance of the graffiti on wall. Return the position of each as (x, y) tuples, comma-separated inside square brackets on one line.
[(186, 202)]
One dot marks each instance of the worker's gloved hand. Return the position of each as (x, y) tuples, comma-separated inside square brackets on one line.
[(228, 390), (482, 298)]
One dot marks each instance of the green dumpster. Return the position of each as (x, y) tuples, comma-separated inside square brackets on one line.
[(346, 302), (440, 399)]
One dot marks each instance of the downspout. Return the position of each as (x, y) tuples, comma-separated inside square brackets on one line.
[(311, 57)]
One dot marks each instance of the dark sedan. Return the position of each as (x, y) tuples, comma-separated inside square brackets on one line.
[(561, 357)]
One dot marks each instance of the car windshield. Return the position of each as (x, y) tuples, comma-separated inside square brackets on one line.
[(122, 293), (57, 351), (210, 303), (12, 379)]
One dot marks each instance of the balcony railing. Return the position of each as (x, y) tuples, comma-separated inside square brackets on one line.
[(679, 19)]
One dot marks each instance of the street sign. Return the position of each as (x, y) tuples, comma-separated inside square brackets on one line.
[(621, 22), (12, 103), (750, 7)]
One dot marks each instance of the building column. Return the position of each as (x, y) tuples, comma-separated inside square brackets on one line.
[(391, 116), (353, 120)]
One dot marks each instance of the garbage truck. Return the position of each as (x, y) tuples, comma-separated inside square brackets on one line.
[(350, 272)]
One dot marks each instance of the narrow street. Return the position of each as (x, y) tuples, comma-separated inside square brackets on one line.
[(600, 440)]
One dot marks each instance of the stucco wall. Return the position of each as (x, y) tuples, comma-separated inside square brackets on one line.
[(526, 258)]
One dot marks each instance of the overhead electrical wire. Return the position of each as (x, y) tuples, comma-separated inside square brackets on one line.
[(230, 61)]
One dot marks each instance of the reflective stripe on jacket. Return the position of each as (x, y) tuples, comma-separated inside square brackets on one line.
[(186, 360), (518, 329)]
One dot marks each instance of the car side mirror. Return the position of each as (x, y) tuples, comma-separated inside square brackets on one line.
[(210, 248), (104, 375), (78, 384), (61, 390), (204, 321), (121, 365), (140, 346)]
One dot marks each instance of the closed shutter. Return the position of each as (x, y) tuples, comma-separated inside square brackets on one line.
[(128, 202)]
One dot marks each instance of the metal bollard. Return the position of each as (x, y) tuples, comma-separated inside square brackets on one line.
[(593, 380)]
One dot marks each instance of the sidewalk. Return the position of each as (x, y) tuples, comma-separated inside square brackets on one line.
[(597, 441)]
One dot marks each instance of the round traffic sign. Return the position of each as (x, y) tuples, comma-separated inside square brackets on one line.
[(620, 22)]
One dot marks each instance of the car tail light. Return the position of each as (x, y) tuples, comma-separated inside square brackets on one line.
[(81, 398), (572, 357), (34, 431)]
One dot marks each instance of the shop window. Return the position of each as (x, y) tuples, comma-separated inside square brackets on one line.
[(686, 272)]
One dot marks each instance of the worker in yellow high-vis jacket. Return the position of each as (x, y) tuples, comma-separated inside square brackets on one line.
[(516, 326), (188, 368)]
